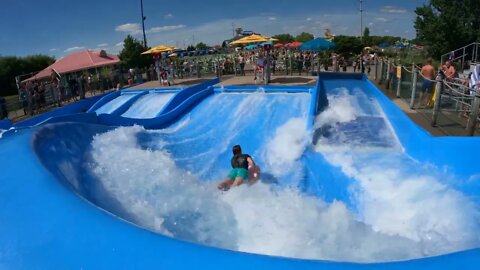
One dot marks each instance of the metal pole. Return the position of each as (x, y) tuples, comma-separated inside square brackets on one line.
[(388, 70), (472, 121), (414, 86), (438, 96), (234, 65), (399, 81), (267, 73), (376, 69), (361, 20), (143, 25), (381, 71)]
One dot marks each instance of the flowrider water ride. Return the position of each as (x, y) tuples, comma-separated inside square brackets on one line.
[(129, 180)]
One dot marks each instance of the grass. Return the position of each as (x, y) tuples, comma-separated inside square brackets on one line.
[(13, 103)]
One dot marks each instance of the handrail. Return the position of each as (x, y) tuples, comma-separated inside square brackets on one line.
[(474, 44)]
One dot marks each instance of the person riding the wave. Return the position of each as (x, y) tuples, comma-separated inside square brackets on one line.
[(241, 163)]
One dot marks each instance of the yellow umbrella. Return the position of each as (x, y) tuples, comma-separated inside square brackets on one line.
[(173, 55), (252, 39), (159, 49), (368, 48)]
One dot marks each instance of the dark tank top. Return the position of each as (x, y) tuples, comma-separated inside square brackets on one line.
[(240, 161)]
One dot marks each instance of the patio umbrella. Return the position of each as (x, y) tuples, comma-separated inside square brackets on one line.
[(252, 39), (159, 49), (294, 44), (251, 47), (278, 45), (317, 44)]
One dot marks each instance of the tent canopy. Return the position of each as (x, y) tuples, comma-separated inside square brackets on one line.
[(252, 39), (317, 44), (77, 61), (159, 49)]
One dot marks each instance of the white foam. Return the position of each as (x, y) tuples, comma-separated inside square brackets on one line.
[(341, 109), (1, 132), (398, 196), (402, 212), (258, 219), (284, 150)]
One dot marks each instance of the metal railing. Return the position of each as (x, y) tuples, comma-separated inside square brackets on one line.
[(464, 55), (453, 96)]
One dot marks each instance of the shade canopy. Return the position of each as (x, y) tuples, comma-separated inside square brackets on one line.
[(81, 60), (159, 49), (294, 44), (317, 44), (251, 47), (252, 39)]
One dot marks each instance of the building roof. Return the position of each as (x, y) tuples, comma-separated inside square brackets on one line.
[(77, 61)]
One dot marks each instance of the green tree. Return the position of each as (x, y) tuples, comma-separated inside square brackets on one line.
[(304, 37), (131, 54), (11, 66), (191, 48), (201, 46), (348, 45), (445, 25), (366, 36), (284, 38)]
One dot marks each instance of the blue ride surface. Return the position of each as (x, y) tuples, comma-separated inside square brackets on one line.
[(57, 213)]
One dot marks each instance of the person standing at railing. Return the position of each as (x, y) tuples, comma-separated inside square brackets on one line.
[(392, 72), (474, 82), (428, 74), (449, 70), (241, 61)]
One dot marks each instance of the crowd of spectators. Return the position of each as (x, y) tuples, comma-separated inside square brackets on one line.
[(37, 96)]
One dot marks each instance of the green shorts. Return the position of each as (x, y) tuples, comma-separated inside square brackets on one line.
[(238, 172)]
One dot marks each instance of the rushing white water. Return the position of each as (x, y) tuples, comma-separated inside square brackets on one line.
[(256, 219), (404, 211), (114, 104), (148, 106), (397, 195)]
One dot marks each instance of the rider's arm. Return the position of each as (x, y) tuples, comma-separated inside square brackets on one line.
[(250, 162)]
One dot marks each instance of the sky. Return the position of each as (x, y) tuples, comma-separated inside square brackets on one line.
[(58, 28)]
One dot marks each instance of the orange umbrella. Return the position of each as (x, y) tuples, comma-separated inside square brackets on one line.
[(278, 45), (294, 44)]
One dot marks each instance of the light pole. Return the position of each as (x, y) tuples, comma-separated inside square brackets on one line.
[(143, 25), (361, 20)]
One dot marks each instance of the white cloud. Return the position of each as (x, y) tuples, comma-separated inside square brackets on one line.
[(381, 19), (216, 31), (165, 28), (309, 19), (168, 16), (387, 31), (131, 28), (53, 49), (76, 48), (370, 24), (120, 44), (392, 9), (272, 18), (102, 45)]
